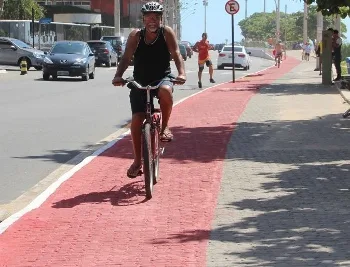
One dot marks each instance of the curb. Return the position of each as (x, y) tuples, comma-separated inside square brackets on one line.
[(343, 92), (3, 71)]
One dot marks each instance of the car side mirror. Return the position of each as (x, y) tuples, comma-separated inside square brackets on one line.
[(45, 53), (13, 47)]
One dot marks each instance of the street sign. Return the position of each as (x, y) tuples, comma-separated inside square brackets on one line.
[(45, 20), (232, 7)]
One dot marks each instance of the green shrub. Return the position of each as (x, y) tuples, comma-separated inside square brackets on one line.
[(345, 51)]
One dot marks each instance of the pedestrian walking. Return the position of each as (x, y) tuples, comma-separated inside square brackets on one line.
[(203, 47)]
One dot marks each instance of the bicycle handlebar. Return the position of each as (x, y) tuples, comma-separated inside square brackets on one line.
[(148, 87)]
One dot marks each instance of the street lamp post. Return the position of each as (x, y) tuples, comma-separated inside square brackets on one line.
[(117, 17), (278, 20), (305, 39), (205, 3)]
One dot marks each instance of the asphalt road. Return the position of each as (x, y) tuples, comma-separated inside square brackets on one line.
[(44, 124)]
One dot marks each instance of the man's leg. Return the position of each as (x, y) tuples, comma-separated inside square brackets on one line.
[(211, 70), (136, 123), (337, 62), (200, 71), (165, 95)]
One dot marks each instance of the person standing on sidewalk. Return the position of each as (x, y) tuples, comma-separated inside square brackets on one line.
[(336, 44), (318, 53), (151, 47), (203, 47)]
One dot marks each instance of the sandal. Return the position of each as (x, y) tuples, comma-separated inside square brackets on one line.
[(134, 171), (166, 135)]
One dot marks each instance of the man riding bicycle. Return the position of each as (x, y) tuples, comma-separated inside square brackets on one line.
[(278, 51), (152, 47)]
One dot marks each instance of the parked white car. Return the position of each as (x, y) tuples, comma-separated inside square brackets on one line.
[(242, 57)]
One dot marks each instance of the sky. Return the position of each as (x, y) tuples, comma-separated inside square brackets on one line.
[(218, 22)]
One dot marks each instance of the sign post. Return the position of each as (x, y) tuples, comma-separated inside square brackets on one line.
[(232, 8)]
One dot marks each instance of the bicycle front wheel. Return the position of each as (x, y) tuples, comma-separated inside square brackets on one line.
[(147, 160), (156, 154)]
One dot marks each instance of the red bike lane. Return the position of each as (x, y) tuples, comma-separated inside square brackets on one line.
[(99, 217)]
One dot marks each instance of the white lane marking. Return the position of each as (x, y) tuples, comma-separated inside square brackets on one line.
[(36, 203)]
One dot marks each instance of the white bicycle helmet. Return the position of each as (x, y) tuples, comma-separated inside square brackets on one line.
[(153, 7)]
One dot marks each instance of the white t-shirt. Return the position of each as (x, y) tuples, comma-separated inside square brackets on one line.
[(308, 49)]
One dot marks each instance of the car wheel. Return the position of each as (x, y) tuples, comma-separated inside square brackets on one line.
[(46, 76), (86, 77), (92, 74), (245, 68), (54, 77), (38, 67)]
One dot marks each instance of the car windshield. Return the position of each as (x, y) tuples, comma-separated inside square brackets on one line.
[(68, 48), (182, 48), (97, 45), (113, 40), (229, 48), (20, 43)]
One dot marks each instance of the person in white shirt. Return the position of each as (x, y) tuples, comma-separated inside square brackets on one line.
[(307, 50)]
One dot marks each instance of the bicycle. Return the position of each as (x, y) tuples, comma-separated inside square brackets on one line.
[(151, 127), (279, 57)]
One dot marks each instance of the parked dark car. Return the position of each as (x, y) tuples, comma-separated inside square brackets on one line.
[(117, 43), (104, 53), (69, 58), (188, 48), (219, 47), (183, 51), (13, 51)]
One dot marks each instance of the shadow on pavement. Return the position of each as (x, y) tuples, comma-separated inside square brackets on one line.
[(303, 217), (127, 195), (73, 79)]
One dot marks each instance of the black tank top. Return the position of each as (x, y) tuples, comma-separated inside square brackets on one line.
[(151, 61)]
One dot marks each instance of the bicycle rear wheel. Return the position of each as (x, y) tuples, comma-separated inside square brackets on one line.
[(147, 160)]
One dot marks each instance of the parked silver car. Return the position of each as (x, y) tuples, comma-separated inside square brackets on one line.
[(12, 51)]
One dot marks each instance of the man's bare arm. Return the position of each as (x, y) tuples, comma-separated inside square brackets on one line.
[(130, 49), (174, 50)]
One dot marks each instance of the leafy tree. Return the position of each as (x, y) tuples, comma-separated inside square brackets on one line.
[(261, 26), (331, 7), (21, 9)]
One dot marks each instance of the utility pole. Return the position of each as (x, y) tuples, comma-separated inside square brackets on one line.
[(171, 13), (246, 8), (264, 6), (117, 17), (319, 30), (305, 39), (278, 20), (205, 3)]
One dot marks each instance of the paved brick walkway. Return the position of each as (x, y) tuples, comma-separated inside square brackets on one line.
[(284, 198)]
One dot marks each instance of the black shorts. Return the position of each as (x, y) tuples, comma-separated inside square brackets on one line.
[(208, 63), (138, 97)]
